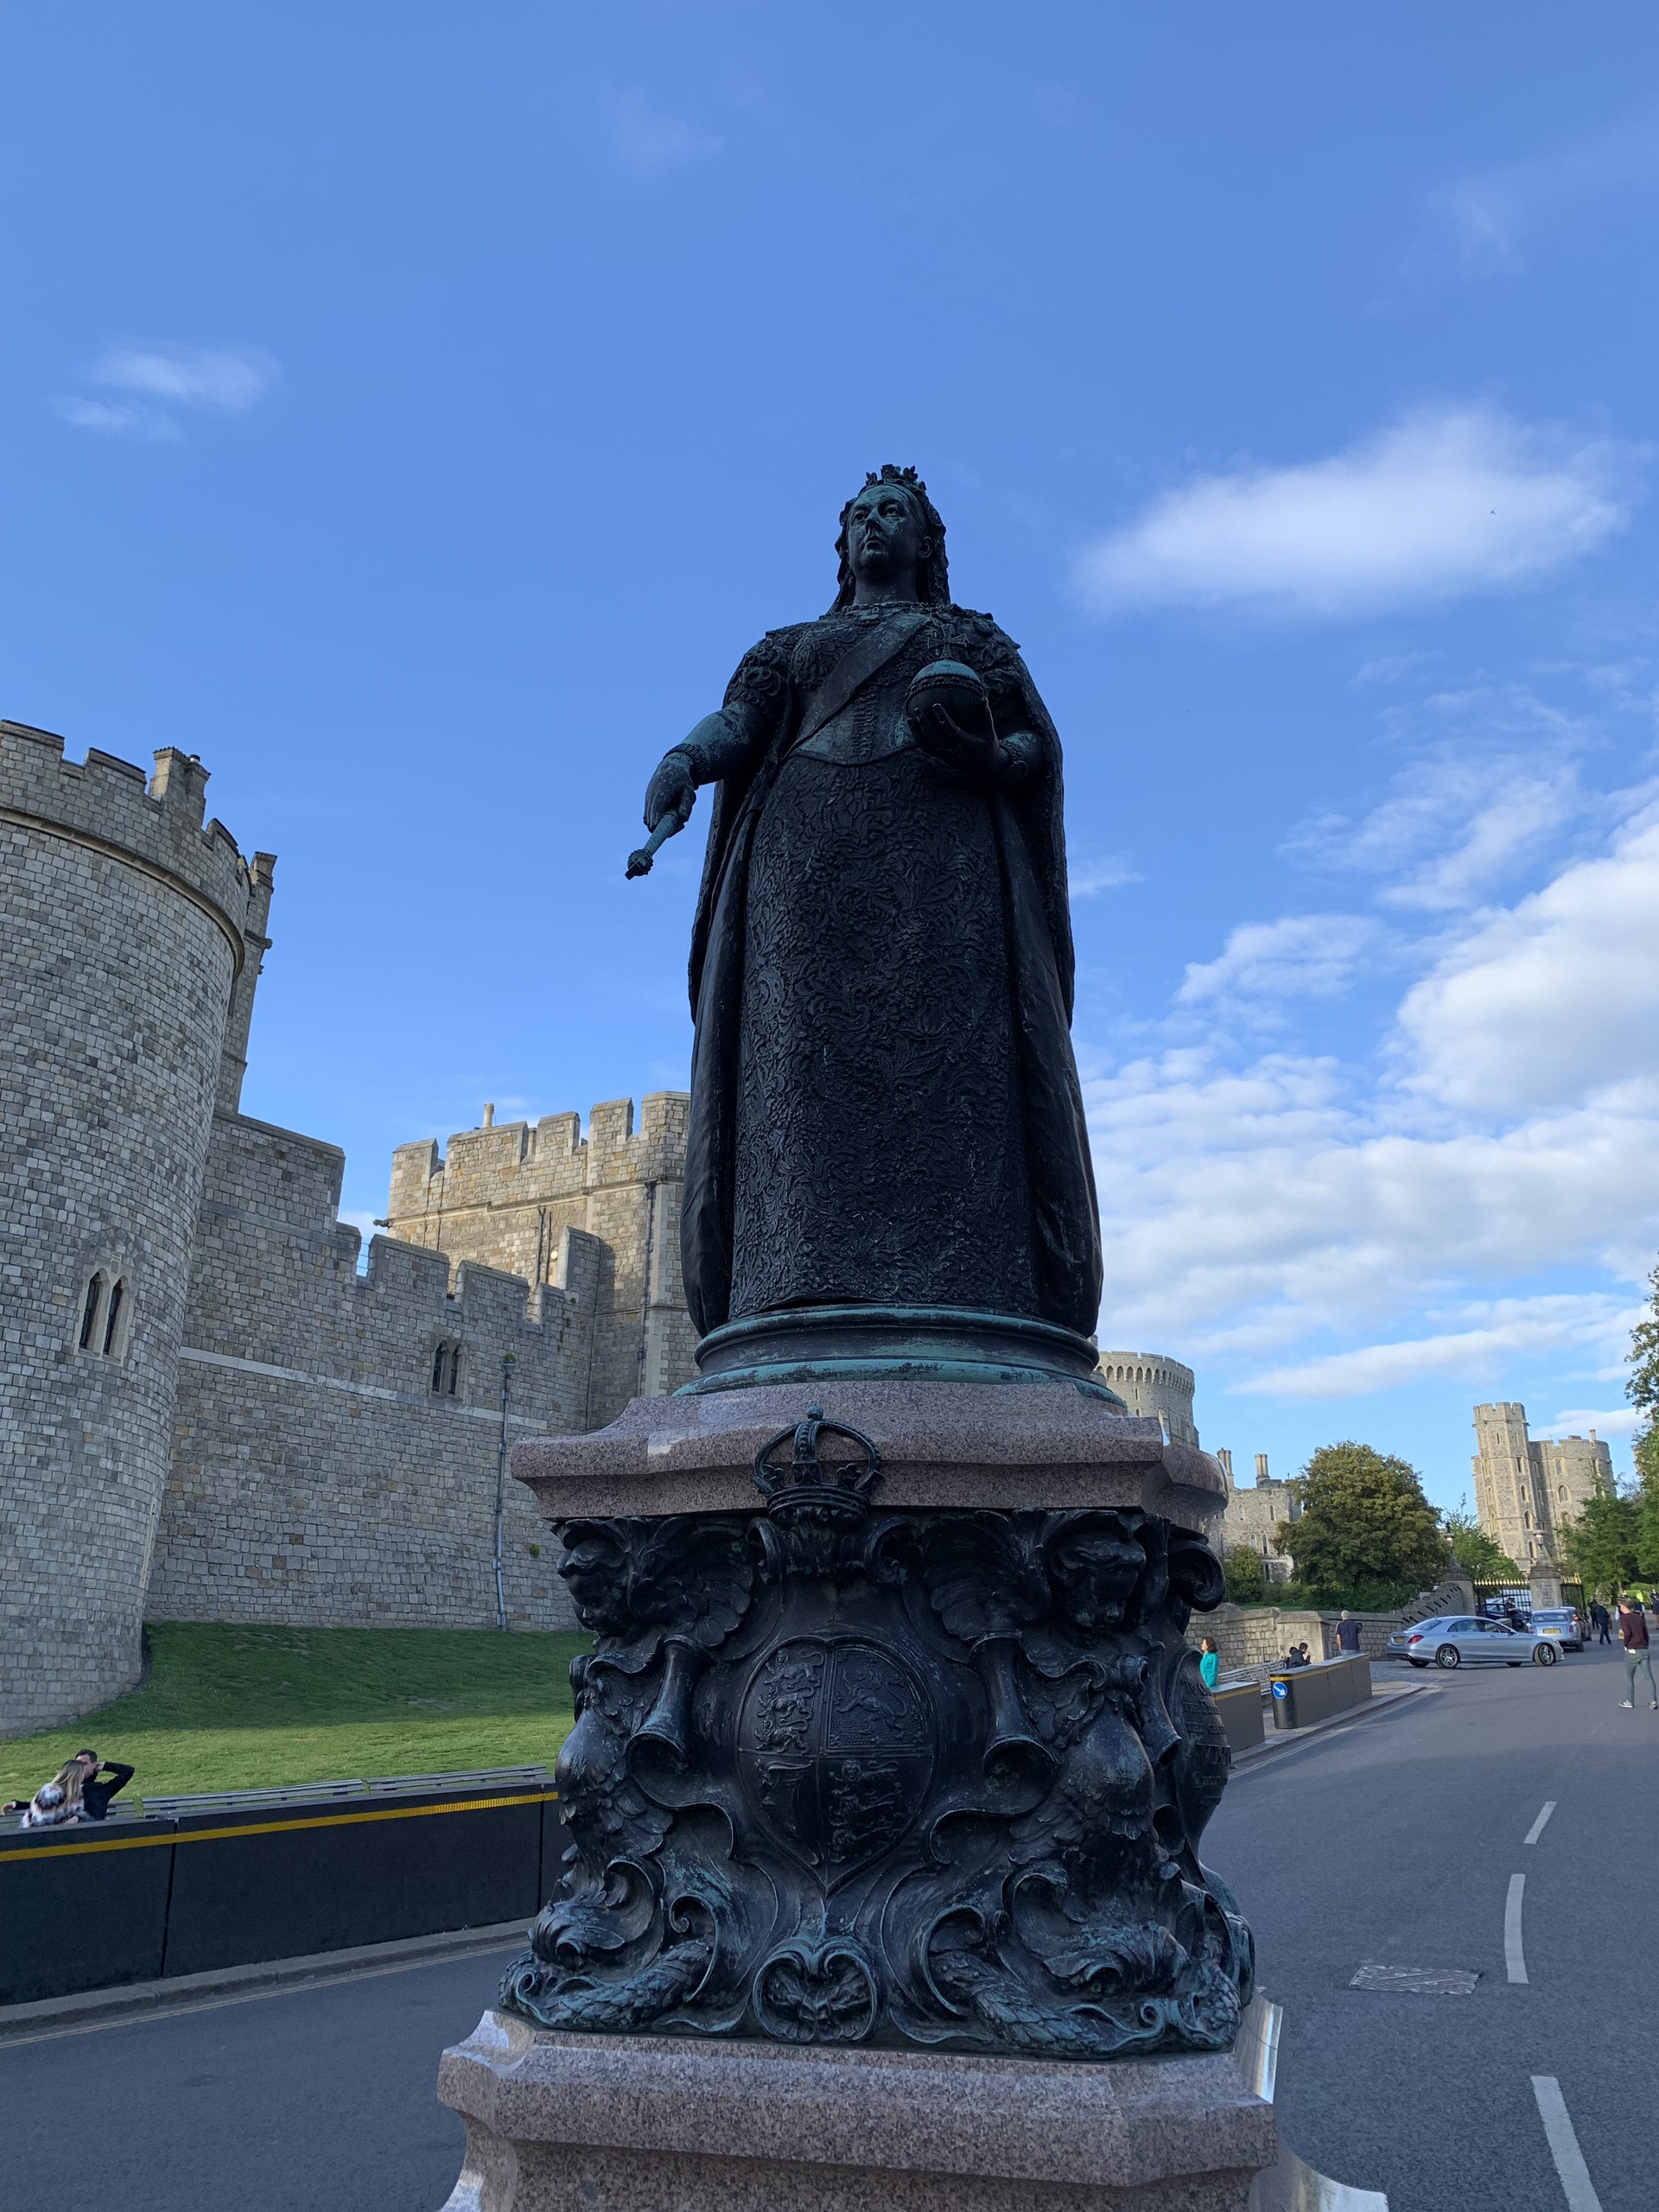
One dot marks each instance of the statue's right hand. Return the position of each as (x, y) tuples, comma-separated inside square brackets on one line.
[(671, 790)]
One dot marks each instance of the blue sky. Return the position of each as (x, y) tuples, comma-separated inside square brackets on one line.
[(416, 411)]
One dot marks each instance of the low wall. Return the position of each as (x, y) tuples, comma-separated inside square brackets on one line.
[(140, 1900), (1255, 1637)]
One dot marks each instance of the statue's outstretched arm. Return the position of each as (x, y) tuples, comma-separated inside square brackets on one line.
[(714, 748)]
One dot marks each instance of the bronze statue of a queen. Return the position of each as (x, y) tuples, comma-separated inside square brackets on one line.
[(888, 1169)]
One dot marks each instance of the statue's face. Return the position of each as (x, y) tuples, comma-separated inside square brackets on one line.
[(884, 534)]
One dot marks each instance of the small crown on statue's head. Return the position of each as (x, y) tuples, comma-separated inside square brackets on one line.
[(890, 473)]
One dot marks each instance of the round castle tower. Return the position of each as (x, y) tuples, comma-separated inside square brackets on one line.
[(130, 939), (1151, 1383)]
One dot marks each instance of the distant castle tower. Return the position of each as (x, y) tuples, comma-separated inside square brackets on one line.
[(1527, 1488), (1152, 1382), (129, 938)]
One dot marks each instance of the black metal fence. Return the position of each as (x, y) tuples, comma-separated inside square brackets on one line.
[(1496, 1597)]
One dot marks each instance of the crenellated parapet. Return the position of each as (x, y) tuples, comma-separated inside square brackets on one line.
[(154, 823), (504, 1194), (1151, 1383)]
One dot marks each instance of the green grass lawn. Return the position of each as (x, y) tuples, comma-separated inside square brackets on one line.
[(243, 1709)]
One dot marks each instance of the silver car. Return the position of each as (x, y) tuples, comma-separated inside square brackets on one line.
[(1461, 1640)]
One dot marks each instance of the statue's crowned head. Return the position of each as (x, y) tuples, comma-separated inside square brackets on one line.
[(933, 578)]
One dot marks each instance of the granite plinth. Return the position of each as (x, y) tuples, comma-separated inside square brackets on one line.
[(571, 2123), (944, 1446)]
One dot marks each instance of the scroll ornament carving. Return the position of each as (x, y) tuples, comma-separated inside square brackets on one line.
[(925, 1778)]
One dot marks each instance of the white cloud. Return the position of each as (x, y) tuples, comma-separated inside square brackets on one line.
[(1313, 1229), (147, 426), (218, 380), (1609, 1420), (1556, 999), (1109, 873), (1479, 222), (1269, 1208), (648, 144), (224, 380), (1444, 503), (1301, 956), (1456, 824), (1520, 1326)]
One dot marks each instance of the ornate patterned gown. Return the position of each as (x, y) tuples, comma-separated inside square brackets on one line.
[(884, 1104)]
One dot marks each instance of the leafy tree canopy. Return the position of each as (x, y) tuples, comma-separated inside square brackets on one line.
[(1245, 1574), (1643, 1389), (1602, 1545), (1480, 1556), (1364, 1519)]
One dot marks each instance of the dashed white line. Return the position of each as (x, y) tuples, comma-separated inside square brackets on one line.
[(1514, 1957), (1576, 2185), (1537, 1827)]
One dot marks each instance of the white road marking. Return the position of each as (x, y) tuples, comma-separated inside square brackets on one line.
[(1514, 1958), (1576, 2184), (1537, 1827)]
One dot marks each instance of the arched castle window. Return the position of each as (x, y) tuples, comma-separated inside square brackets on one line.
[(446, 1371), (105, 1313), (1561, 1493), (89, 1318)]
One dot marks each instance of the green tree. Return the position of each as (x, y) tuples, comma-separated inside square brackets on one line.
[(1245, 1576), (1602, 1545), (1643, 1390), (1364, 1519), (1481, 1558)]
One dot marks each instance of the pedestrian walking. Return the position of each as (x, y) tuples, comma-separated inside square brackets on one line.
[(1602, 1621), (1633, 1635), (1347, 1634), (1209, 1663)]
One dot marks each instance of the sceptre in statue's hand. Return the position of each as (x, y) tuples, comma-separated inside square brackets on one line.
[(669, 802)]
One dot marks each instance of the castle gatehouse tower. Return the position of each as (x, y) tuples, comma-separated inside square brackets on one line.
[(130, 935)]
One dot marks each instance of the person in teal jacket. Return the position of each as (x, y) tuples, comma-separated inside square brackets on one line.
[(1209, 1663)]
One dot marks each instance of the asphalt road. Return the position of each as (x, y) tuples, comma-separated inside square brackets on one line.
[(1396, 1841), (1393, 1840)]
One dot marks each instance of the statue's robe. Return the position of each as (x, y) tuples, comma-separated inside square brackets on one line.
[(884, 1104)]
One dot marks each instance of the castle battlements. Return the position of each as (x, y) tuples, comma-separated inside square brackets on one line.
[(516, 1163), (1151, 1383), (506, 1194), (157, 822)]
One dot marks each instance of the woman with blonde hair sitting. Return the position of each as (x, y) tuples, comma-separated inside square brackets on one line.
[(56, 1803)]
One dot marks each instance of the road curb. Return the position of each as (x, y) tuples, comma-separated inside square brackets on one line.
[(182, 1989), (1286, 1739)]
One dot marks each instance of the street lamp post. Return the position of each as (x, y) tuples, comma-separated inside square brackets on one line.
[(507, 1365)]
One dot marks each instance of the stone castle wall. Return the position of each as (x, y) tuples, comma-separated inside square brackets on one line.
[(124, 925), (337, 1436), (1150, 1382), (502, 1194)]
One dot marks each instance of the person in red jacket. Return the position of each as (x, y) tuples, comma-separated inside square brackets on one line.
[(1633, 1635)]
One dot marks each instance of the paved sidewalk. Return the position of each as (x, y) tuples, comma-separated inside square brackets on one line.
[(188, 1988)]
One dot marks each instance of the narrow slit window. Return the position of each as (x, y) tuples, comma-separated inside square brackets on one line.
[(454, 1371), (89, 1319), (113, 1319), (438, 1359)]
